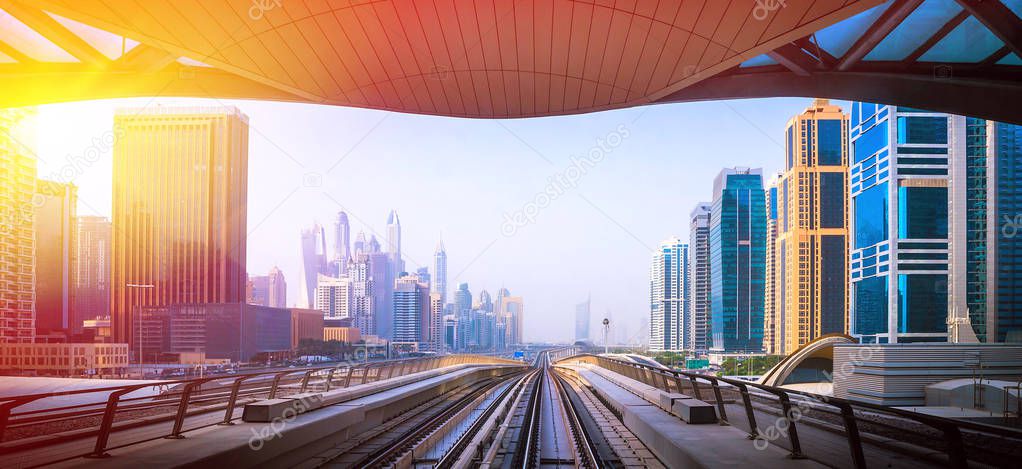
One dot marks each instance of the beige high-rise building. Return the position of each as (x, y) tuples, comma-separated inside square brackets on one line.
[(17, 230), (811, 249), (773, 322), (56, 255), (179, 209)]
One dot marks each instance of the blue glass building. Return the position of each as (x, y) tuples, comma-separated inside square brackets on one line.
[(899, 224), (738, 240), (986, 231)]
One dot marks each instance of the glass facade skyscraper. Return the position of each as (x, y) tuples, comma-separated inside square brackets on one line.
[(899, 224), (738, 260), (811, 249), (668, 306), (986, 231), (699, 277)]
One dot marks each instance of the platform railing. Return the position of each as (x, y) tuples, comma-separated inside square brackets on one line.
[(102, 412), (851, 414)]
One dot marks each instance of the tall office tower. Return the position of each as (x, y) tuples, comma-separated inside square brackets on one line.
[(738, 260), (503, 327), (17, 227), (985, 262), (277, 289), (92, 270), (668, 307), (333, 296), (362, 300), (440, 271), (342, 244), (811, 248), (433, 330), (373, 245), (773, 319), (899, 253), (423, 274), (514, 311), (582, 320), (485, 303), (463, 313), (394, 242), (412, 309), (450, 332), (360, 243), (55, 256), (699, 277), (382, 293), (314, 263), (180, 194)]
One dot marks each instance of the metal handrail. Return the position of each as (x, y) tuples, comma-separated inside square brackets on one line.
[(194, 391), (950, 428)]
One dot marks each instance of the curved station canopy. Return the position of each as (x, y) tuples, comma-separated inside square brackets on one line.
[(524, 58)]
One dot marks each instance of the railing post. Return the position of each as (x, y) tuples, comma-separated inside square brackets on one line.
[(347, 379), (796, 448), (747, 400), (305, 380), (955, 448), (365, 374), (108, 422), (720, 401), (276, 384), (232, 401), (330, 377), (182, 409), (854, 440), (695, 387)]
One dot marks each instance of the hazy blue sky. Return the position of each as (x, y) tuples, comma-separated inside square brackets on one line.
[(460, 177)]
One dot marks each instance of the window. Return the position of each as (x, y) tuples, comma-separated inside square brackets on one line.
[(922, 212), (870, 306), (922, 303), (871, 216), (870, 142), (922, 129), (829, 143)]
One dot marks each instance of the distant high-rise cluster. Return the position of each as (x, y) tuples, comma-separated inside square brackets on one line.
[(893, 225)]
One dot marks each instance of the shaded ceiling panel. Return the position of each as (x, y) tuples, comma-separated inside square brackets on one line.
[(922, 23), (838, 37), (970, 42)]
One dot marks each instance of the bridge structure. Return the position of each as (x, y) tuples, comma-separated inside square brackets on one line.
[(563, 409), (517, 58)]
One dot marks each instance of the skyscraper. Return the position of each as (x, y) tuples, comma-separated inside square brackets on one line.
[(180, 192), (811, 249), (433, 331), (440, 271), (463, 314), (382, 291), (899, 224), (985, 262), (668, 307), (582, 321), (268, 290), (360, 243), (342, 244), (738, 260), (56, 254), (412, 309), (92, 269), (17, 227), (362, 297), (394, 242), (514, 313), (314, 263), (699, 277), (773, 320), (333, 297)]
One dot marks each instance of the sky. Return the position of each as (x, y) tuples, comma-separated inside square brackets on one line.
[(555, 209)]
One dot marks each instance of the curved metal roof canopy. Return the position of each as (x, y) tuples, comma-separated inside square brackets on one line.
[(525, 58)]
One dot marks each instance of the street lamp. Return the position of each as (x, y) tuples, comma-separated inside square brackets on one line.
[(606, 329), (138, 321)]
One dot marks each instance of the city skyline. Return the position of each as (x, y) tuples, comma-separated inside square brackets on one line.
[(474, 240)]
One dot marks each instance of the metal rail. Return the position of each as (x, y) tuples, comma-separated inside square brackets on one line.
[(954, 445), (188, 397), (585, 447)]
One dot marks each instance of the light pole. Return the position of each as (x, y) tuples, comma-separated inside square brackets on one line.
[(138, 322), (606, 329)]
